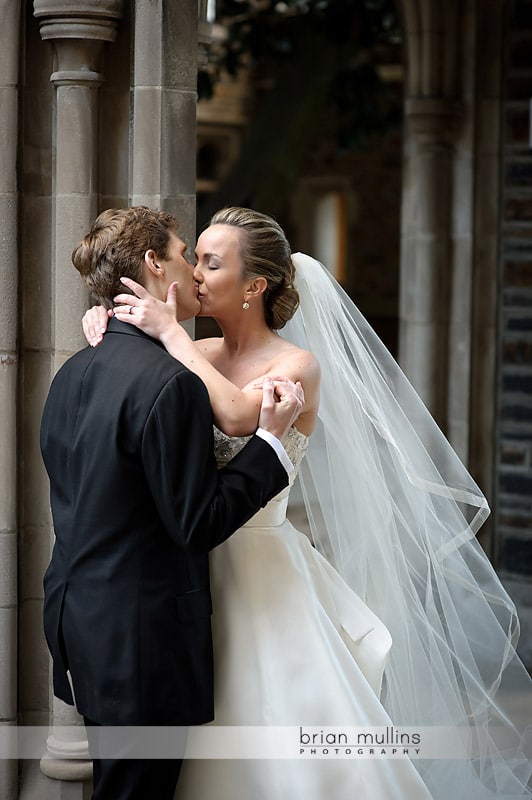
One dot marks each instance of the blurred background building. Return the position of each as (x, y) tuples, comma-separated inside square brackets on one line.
[(390, 139)]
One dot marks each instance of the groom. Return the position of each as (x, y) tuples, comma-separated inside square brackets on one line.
[(137, 504)]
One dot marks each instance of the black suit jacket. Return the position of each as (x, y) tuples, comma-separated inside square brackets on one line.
[(137, 504)]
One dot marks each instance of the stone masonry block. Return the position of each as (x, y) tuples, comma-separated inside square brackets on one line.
[(76, 136), (148, 43), (34, 557), (74, 215), (8, 390), (8, 273), (35, 487), (146, 142), (184, 209), (9, 62), (8, 663), (8, 150), (178, 166), (180, 60), (8, 569), (113, 149), (34, 657), (37, 274)]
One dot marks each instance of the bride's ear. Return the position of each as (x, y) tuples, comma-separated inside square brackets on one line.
[(256, 287)]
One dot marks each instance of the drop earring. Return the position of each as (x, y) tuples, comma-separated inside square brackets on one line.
[(245, 305)]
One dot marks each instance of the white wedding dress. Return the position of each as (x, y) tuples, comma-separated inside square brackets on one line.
[(293, 646), (393, 516)]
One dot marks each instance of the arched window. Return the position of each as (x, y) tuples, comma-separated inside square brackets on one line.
[(329, 231)]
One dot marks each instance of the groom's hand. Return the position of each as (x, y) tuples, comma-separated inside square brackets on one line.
[(282, 402)]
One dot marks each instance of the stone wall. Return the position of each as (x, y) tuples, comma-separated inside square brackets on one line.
[(514, 460)]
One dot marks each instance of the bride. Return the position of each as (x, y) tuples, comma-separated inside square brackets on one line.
[(393, 615)]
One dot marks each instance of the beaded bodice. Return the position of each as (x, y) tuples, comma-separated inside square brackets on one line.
[(295, 443), (226, 447)]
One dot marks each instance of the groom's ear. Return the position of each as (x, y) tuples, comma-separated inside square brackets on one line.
[(150, 262)]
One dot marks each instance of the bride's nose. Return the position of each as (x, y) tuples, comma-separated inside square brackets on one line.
[(198, 277)]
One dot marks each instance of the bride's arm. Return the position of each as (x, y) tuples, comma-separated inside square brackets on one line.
[(236, 412)]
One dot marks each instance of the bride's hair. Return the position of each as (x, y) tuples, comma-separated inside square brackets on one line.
[(266, 254), (115, 247)]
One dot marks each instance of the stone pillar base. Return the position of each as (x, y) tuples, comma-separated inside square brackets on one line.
[(34, 785)]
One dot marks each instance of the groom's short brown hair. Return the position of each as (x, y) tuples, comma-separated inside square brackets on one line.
[(115, 247)]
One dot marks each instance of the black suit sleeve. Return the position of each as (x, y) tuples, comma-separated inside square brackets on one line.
[(200, 505)]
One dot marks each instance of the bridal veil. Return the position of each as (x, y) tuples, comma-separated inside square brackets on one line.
[(391, 506)]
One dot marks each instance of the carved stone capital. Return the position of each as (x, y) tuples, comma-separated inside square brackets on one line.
[(78, 30), (78, 20)]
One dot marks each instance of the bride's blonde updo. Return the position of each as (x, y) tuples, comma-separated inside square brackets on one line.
[(115, 247), (265, 253)]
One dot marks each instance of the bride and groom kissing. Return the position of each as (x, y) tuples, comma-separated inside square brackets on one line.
[(146, 495), (138, 502)]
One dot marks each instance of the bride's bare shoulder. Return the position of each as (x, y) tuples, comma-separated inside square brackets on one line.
[(301, 365), (209, 347), (300, 361)]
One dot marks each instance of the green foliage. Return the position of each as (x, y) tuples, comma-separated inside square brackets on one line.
[(317, 88), (273, 34)]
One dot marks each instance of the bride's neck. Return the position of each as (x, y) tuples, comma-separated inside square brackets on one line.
[(244, 335)]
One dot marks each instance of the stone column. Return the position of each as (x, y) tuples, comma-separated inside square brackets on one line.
[(430, 32), (163, 114), (9, 61), (77, 31), (491, 37), (425, 248), (438, 215), (449, 223), (163, 124)]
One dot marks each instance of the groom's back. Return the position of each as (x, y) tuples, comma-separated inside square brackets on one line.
[(115, 570), (91, 436)]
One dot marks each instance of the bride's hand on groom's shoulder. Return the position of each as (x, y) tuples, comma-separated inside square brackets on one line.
[(94, 323)]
